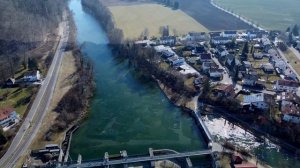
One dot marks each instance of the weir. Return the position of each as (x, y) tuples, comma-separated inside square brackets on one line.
[(129, 160)]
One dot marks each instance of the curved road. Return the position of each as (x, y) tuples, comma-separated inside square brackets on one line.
[(33, 120)]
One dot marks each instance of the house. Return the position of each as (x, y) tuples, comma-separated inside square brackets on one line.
[(258, 101), (32, 76), (258, 55), (252, 34), (145, 43), (8, 116), (268, 68), (221, 51), (208, 65), (247, 64), (286, 85), (224, 90), (265, 41), (216, 73), (249, 80), (229, 34), (220, 40), (187, 69), (167, 53), (196, 36), (205, 57), (161, 48), (168, 40), (176, 61), (214, 34), (289, 107), (232, 63), (11, 82)]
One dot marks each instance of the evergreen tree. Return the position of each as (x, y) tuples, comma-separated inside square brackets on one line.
[(176, 5), (296, 30)]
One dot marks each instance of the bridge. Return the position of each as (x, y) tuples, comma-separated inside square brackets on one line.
[(128, 160)]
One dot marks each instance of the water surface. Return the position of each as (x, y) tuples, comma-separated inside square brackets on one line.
[(126, 112)]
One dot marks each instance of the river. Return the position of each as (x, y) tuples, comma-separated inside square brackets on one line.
[(126, 112), (130, 114)]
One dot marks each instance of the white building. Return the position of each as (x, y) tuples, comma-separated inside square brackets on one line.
[(196, 36), (8, 116), (32, 76), (256, 100), (229, 34), (286, 85)]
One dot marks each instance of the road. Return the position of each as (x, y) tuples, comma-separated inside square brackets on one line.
[(226, 78), (282, 55), (296, 52), (139, 159), (39, 108)]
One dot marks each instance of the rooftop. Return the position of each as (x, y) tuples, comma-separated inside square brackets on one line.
[(5, 112), (289, 83)]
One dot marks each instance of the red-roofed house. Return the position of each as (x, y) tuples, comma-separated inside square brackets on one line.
[(8, 116), (224, 90)]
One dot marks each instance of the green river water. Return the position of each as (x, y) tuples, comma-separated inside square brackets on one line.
[(130, 114), (126, 113)]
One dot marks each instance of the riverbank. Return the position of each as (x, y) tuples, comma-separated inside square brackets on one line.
[(60, 117)]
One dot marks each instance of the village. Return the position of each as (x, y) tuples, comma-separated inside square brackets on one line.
[(242, 66), (26, 80)]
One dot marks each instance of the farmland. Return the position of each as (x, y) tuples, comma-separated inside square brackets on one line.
[(135, 19), (210, 16), (270, 14)]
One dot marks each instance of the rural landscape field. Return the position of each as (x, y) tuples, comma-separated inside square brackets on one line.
[(135, 19), (270, 14)]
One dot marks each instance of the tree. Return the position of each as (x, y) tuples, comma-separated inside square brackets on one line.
[(288, 29), (296, 30), (176, 5), (246, 48)]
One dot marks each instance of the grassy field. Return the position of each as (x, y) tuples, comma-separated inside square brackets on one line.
[(270, 14), (134, 19), (293, 60)]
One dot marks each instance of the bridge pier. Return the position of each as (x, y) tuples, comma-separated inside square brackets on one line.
[(151, 155), (79, 159), (124, 155), (189, 162)]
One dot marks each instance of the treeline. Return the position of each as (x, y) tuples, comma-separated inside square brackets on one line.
[(24, 25), (75, 102), (147, 61), (171, 3), (105, 18)]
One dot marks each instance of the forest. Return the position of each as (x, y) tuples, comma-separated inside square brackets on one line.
[(24, 25)]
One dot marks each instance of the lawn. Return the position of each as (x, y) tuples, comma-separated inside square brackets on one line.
[(270, 14), (18, 98), (134, 19), (293, 60)]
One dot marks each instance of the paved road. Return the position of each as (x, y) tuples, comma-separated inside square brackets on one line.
[(39, 107), (226, 78), (282, 55), (296, 52), (139, 159)]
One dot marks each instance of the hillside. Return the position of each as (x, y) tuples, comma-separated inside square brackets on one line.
[(24, 25)]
